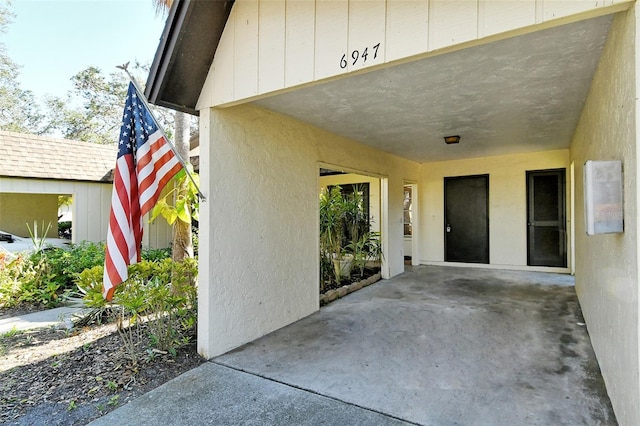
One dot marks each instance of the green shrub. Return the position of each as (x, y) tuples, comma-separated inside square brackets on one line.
[(89, 284), (195, 239), (12, 268), (30, 279), (84, 256), (159, 298), (45, 277), (50, 273), (64, 229), (48, 276), (155, 255)]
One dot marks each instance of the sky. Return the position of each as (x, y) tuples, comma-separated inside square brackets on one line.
[(55, 39)]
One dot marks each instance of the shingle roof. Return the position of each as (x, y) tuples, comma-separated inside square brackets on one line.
[(33, 156)]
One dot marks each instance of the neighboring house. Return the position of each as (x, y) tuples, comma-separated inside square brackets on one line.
[(286, 88), (35, 170)]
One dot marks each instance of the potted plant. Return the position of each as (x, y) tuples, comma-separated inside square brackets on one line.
[(344, 233)]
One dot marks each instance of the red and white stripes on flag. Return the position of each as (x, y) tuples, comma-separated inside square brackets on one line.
[(145, 164)]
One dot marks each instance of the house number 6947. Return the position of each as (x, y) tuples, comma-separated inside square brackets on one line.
[(356, 56)]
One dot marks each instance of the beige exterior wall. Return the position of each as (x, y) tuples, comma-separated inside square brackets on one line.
[(18, 210), (374, 192), (273, 45), (607, 265), (259, 260), (90, 208), (259, 226), (507, 203)]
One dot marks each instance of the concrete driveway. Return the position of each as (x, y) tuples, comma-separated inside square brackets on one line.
[(434, 346)]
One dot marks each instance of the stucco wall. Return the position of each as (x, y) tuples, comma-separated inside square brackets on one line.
[(18, 210), (507, 202), (607, 265), (259, 225)]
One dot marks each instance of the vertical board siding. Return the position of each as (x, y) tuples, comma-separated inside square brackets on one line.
[(81, 222), (407, 28), (367, 22), (332, 35), (270, 49), (222, 71), (245, 83), (269, 45), (299, 42), (92, 211), (500, 16), (452, 22), (554, 9)]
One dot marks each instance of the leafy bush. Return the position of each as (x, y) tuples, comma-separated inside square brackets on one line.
[(195, 238), (158, 298), (12, 269), (64, 229), (154, 255), (50, 273), (84, 256), (48, 276), (30, 279)]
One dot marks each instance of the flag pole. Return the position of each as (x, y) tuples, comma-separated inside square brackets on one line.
[(125, 67)]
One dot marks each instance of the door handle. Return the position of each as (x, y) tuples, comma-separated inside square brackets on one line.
[(448, 228)]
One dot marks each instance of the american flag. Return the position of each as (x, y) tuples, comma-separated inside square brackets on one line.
[(144, 165)]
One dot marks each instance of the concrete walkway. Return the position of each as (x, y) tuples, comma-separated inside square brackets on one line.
[(435, 346), (51, 317), (25, 245)]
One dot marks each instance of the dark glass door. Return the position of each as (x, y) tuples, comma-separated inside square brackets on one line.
[(546, 236)]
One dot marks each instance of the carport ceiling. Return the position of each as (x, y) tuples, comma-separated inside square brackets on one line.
[(521, 94)]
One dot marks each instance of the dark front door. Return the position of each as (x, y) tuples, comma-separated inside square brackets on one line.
[(546, 236), (466, 228)]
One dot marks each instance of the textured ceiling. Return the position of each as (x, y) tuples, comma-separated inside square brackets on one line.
[(521, 94)]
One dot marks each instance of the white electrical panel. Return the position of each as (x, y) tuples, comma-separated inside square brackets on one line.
[(604, 208)]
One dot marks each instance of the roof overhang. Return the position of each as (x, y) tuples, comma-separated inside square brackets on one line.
[(185, 53)]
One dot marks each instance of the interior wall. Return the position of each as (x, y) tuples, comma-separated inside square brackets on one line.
[(18, 210), (607, 265), (259, 226), (507, 202), (374, 192)]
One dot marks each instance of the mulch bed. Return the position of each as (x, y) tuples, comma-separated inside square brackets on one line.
[(61, 377), (355, 282), (354, 278)]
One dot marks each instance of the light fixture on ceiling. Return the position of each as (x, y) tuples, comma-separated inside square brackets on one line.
[(451, 139)]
